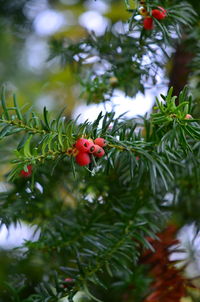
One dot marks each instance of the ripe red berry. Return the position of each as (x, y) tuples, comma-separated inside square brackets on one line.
[(68, 282), (94, 148), (83, 159), (159, 13), (28, 173), (148, 23), (100, 142), (91, 147), (99, 152), (82, 145), (188, 117)]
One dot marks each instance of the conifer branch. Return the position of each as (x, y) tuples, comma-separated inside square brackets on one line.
[(58, 136), (93, 221)]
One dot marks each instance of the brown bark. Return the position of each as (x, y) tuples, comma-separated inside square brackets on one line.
[(180, 71)]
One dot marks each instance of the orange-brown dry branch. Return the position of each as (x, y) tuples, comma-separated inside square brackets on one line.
[(169, 284)]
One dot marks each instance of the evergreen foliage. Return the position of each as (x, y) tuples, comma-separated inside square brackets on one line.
[(95, 221)]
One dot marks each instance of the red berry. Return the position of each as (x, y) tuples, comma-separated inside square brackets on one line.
[(99, 152), (83, 159), (148, 23), (68, 282), (188, 117), (82, 145), (91, 147), (28, 173), (160, 13), (100, 142), (96, 148)]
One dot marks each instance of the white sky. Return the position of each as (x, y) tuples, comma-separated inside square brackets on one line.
[(120, 103), (15, 235)]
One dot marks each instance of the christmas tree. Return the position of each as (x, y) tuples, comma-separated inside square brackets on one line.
[(106, 198)]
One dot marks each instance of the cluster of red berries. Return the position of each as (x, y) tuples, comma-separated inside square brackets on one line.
[(27, 173), (160, 13), (83, 148)]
